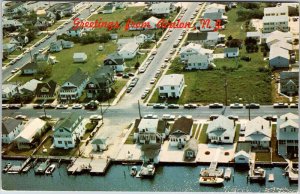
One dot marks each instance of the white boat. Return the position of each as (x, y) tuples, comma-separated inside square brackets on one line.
[(211, 180), (50, 169), (257, 174), (147, 171), (271, 178), (227, 174), (133, 171)]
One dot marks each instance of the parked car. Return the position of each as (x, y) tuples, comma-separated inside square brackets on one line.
[(45, 117), (151, 58), (144, 96), (95, 117), (131, 74), (159, 106), (49, 106), (167, 59), (233, 117), (294, 105), (119, 74), (252, 106), (15, 70), (5, 106), (270, 117), (77, 106), (14, 106), (91, 106), (21, 117), (38, 106), (164, 65), (168, 117), (153, 80), (150, 116), (215, 105), (213, 117), (142, 70), (173, 106), (236, 105), (128, 90), (280, 105), (62, 106), (190, 106), (125, 75)]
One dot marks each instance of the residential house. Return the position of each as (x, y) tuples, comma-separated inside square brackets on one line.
[(113, 36), (79, 57), (59, 45), (281, 44), (42, 23), (32, 129), (258, 133), (150, 153), (231, 52), (100, 84), (7, 23), (123, 41), (276, 11), (242, 157), (272, 23), (152, 22), (68, 132), (289, 82), (30, 68), (9, 48), (221, 130), (46, 91), (29, 87), (14, 8), (10, 129), (109, 8), (99, 144), (255, 35), (20, 40), (193, 49), (129, 50), (120, 5), (180, 132), (287, 131), (9, 90), (171, 86), (161, 9), (207, 39), (198, 61), (277, 36), (191, 149), (150, 131), (219, 7), (214, 14), (149, 35), (75, 32), (63, 9), (73, 87), (116, 61), (279, 57)]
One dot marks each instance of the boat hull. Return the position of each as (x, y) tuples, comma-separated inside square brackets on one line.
[(211, 181)]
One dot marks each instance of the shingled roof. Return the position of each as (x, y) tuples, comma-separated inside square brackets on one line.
[(9, 124), (51, 86), (77, 78), (181, 126)]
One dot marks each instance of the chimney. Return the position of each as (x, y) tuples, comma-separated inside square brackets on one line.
[(286, 118), (262, 127), (270, 123)]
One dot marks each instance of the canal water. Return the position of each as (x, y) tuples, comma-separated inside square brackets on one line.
[(167, 178)]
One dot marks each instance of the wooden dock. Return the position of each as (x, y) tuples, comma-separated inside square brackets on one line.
[(94, 166)]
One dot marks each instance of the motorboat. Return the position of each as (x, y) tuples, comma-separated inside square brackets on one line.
[(147, 170), (42, 167), (257, 174), (211, 180), (50, 169), (227, 173), (133, 171)]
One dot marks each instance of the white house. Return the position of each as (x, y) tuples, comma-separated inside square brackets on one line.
[(152, 21), (181, 132), (231, 52), (241, 157), (79, 57), (171, 86), (197, 61), (116, 61), (150, 131), (33, 128), (68, 132), (128, 51), (9, 90), (279, 57), (7, 23), (75, 32), (192, 49), (287, 131), (276, 11), (258, 132), (99, 144), (29, 86), (278, 36), (109, 8), (272, 23), (10, 129), (161, 8), (207, 39), (221, 130), (219, 7), (282, 44), (73, 87)]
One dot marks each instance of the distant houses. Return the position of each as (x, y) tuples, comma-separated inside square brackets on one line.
[(59, 45), (207, 39), (171, 86)]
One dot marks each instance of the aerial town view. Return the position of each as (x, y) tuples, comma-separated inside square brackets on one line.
[(150, 96)]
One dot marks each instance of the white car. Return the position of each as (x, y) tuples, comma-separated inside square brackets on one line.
[(95, 117), (77, 106), (45, 117), (15, 70), (152, 81), (142, 70), (21, 117), (150, 116), (62, 106), (236, 105), (168, 117), (5, 106)]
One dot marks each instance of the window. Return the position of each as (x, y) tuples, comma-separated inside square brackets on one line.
[(161, 88), (61, 130), (59, 142), (172, 88), (241, 158), (226, 137), (69, 142)]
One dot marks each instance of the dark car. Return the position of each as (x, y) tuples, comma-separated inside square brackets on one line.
[(131, 74), (213, 117), (270, 118), (91, 106), (173, 106), (233, 117), (190, 106), (252, 106), (14, 106), (119, 74), (280, 105), (128, 90), (38, 106), (215, 105), (159, 106), (125, 75), (294, 105)]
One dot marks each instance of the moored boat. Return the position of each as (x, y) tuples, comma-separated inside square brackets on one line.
[(42, 167), (147, 171), (227, 174), (50, 169), (257, 174), (211, 180), (133, 171)]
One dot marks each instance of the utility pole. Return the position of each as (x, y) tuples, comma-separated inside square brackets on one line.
[(101, 112), (225, 88), (139, 109), (249, 112)]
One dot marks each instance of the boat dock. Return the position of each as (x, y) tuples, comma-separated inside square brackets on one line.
[(94, 166), (256, 174), (291, 171), (212, 170)]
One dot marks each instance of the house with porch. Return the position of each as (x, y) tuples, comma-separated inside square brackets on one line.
[(171, 86), (287, 131), (181, 132), (68, 132), (289, 82), (116, 61), (221, 130), (10, 129), (9, 90), (193, 49), (46, 91)]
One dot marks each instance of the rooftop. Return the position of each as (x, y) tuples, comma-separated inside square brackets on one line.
[(171, 80)]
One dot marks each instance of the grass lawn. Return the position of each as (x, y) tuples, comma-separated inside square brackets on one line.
[(54, 26), (15, 152), (130, 139), (38, 38), (263, 156), (194, 129), (274, 146), (203, 136), (237, 133)]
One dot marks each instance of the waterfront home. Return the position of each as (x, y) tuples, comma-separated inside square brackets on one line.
[(277, 36), (221, 130), (272, 23), (75, 32), (10, 129), (46, 91), (150, 153), (150, 131), (255, 35), (100, 84), (231, 52), (197, 61), (116, 61), (129, 51), (9, 90), (161, 9), (287, 134), (9, 48), (171, 86), (59, 45), (73, 87), (193, 49), (109, 8), (258, 132), (207, 39), (289, 82), (276, 11), (29, 87), (29, 69), (79, 57), (181, 132), (279, 57), (191, 149), (68, 132), (241, 157), (32, 130), (99, 144)]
